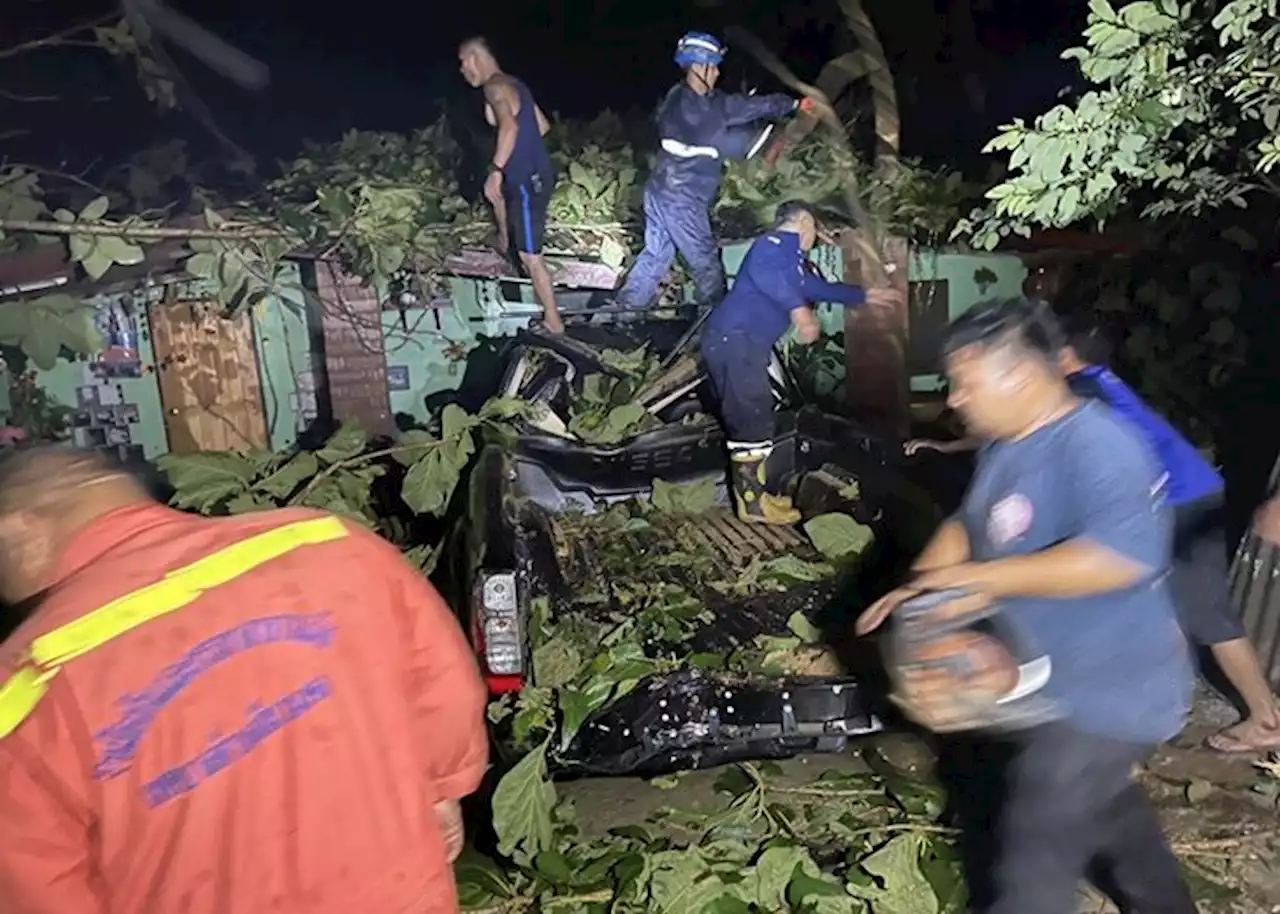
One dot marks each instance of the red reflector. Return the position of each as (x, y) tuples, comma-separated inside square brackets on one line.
[(503, 685)]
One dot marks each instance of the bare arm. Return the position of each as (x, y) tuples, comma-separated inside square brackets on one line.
[(543, 124), (949, 546), (501, 99)]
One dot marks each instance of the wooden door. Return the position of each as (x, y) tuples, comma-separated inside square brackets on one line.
[(208, 373)]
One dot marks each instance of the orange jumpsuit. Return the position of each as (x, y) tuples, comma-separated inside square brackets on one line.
[(249, 715)]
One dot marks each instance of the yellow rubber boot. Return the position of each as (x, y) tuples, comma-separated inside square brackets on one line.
[(754, 502)]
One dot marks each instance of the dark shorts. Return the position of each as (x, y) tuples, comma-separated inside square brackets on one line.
[(739, 371), (527, 202), (1198, 579)]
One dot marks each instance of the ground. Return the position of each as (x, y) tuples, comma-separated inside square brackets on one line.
[(1225, 831)]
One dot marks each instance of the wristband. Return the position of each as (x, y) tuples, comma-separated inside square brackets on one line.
[(494, 166)]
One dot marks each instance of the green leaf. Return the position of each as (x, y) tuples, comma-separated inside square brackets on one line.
[(789, 567), (284, 481), (430, 482), (805, 630), (522, 804), (120, 251), (555, 663), (204, 266), (96, 209), (455, 420), (696, 497), (504, 408), (901, 886), (347, 442), (554, 866), (479, 879), (412, 446), (814, 892), (97, 263), (682, 883), (43, 340), (838, 536), (773, 872), (575, 707), (203, 480), (612, 254)]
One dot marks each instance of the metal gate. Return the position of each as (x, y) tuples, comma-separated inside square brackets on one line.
[(1255, 592)]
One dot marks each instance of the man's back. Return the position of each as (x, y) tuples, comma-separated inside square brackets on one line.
[(248, 714)]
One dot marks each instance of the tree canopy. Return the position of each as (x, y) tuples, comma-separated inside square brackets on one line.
[(1181, 114)]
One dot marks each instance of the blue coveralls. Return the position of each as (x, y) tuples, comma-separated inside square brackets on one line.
[(696, 131), (741, 332)]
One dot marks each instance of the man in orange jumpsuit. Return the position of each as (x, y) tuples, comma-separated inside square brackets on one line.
[(264, 713)]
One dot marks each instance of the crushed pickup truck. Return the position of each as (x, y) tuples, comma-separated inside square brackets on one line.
[(620, 610)]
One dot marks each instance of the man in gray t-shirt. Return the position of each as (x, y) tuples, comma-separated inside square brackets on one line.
[(1064, 528)]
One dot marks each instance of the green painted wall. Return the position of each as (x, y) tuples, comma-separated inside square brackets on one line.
[(282, 338), (970, 278), (114, 403)]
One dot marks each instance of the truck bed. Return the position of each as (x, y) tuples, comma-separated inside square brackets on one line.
[(713, 556)]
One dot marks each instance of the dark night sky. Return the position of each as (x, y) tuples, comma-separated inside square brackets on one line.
[(383, 64)]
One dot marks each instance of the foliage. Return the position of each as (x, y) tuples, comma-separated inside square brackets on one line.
[(1176, 332), (1182, 115), (45, 326), (640, 580), (35, 411), (832, 845), (340, 476), (912, 201), (604, 410)]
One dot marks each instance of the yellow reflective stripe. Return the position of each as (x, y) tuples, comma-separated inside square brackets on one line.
[(19, 696), (21, 692), (178, 589)]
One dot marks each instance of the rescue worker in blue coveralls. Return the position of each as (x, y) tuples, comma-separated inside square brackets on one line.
[(773, 290), (699, 128)]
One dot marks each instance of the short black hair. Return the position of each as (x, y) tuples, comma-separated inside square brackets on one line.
[(791, 209), (1025, 323), (1089, 340), (478, 41)]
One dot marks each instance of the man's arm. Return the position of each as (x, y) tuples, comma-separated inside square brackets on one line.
[(1122, 542), (47, 866), (544, 125), (948, 546), (817, 289), (501, 99), (745, 109)]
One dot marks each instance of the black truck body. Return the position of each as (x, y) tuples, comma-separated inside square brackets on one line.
[(501, 555)]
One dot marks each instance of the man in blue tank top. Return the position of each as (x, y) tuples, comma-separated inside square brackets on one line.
[(699, 128), (521, 177)]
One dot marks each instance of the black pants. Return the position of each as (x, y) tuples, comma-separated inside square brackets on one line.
[(1072, 809), (738, 367), (1198, 577)]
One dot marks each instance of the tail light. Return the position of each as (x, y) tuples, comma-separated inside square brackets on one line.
[(498, 624)]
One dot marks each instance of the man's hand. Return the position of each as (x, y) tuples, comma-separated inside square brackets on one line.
[(817, 108), (874, 615), (493, 188), (808, 332), (916, 445), (449, 818), (979, 578)]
